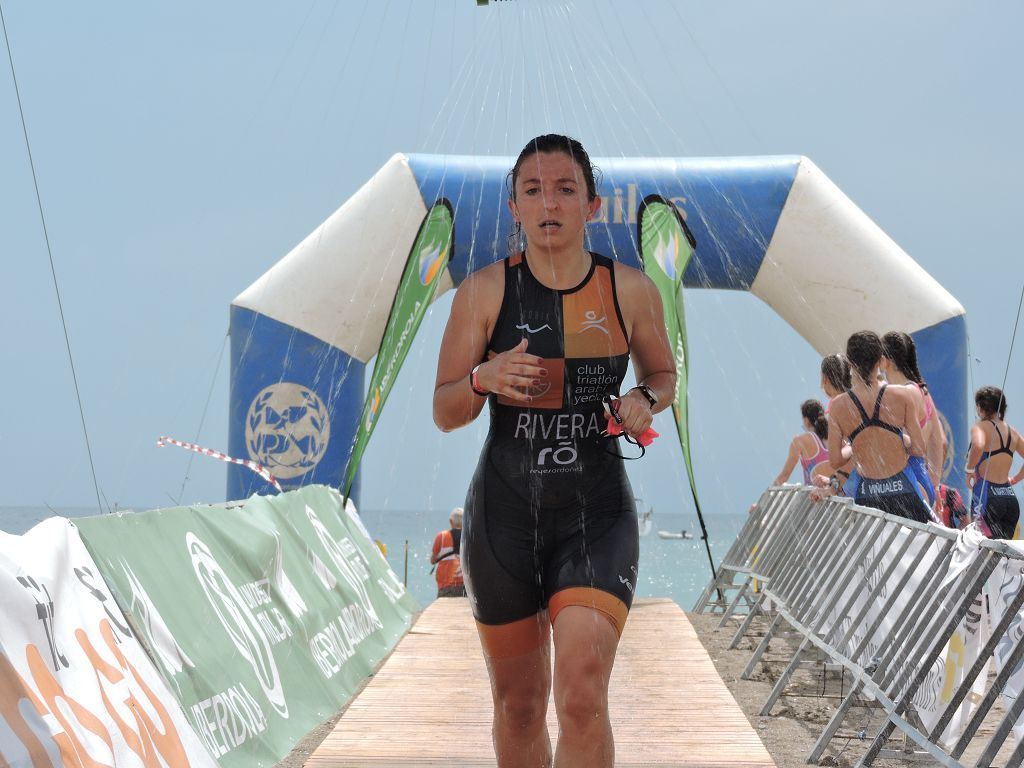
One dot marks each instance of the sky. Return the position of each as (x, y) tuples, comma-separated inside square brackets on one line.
[(182, 149)]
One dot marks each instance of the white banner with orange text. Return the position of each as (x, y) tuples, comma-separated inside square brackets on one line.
[(76, 688)]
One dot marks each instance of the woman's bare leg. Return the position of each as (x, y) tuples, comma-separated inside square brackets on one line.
[(520, 686), (585, 645)]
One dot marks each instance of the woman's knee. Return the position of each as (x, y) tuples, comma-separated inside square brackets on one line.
[(581, 694), (522, 702)]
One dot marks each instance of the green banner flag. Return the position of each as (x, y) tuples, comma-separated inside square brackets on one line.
[(427, 260), (264, 619), (666, 245)]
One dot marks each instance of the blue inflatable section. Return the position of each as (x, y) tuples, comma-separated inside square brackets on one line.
[(295, 406), (942, 358), (296, 402), (742, 197)]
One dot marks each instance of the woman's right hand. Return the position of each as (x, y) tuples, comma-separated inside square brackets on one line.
[(512, 373)]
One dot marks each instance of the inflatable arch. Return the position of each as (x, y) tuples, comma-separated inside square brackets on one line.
[(777, 227)]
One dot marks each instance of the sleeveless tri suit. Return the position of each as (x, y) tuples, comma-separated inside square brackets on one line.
[(550, 517), (898, 494), (995, 505)]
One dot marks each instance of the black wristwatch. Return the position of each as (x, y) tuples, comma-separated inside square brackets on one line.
[(647, 392)]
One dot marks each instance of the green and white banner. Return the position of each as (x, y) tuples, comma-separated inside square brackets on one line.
[(427, 261), (666, 246), (264, 619)]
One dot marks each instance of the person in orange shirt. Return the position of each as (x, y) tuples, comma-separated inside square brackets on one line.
[(445, 557)]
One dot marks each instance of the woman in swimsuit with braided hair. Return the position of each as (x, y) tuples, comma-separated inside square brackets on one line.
[(900, 367), (993, 443), (550, 541), (877, 439)]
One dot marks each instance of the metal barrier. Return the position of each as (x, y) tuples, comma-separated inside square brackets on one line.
[(882, 597)]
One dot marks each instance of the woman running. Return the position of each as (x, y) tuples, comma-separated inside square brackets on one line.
[(900, 367), (550, 542), (877, 440), (808, 447), (993, 443)]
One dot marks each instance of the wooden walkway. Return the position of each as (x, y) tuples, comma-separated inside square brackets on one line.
[(669, 707)]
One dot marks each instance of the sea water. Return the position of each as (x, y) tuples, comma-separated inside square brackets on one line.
[(674, 568)]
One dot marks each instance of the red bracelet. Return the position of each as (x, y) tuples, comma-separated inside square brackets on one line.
[(474, 383)]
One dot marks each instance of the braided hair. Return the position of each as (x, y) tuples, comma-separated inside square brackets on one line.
[(836, 372), (864, 349), (813, 411), (901, 350)]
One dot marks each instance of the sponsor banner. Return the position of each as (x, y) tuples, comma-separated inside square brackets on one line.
[(1003, 585), (962, 649), (427, 261), (264, 619), (76, 688), (666, 246)]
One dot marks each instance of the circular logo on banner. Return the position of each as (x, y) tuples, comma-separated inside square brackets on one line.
[(287, 429), (238, 621)]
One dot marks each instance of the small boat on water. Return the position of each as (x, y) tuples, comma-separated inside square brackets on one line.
[(675, 535)]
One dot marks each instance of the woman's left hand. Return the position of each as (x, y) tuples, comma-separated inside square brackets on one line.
[(635, 413)]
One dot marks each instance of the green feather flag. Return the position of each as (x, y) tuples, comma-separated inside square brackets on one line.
[(427, 261)]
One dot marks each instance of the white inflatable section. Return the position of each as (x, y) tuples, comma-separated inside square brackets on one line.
[(339, 283), (830, 271)]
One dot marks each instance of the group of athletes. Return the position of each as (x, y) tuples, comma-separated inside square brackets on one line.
[(879, 440)]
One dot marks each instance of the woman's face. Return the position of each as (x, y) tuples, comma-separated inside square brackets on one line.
[(551, 200)]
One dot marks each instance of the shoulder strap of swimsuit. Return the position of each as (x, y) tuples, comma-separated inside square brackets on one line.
[(874, 421), (877, 422), (818, 442), (1004, 447), (864, 420), (878, 403)]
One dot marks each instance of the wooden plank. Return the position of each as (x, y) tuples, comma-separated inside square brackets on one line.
[(669, 707)]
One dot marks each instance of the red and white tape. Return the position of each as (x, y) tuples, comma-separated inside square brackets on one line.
[(259, 469)]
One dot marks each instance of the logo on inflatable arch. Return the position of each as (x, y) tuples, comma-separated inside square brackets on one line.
[(664, 237), (287, 429), (238, 621), (433, 241), (947, 460)]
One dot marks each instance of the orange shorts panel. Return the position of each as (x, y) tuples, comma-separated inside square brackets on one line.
[(605, 603), (503, 641)]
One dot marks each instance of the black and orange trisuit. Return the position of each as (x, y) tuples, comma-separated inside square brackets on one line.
[(550, 517)]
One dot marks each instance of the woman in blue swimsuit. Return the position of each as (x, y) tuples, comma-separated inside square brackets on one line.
[(877, 440), (550, 541), (993, 443)]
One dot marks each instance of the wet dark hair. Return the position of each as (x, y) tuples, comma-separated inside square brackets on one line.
[(813, 411), (991, 400), (555, 142), (901, 350), (864, 349), (836, 371)]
